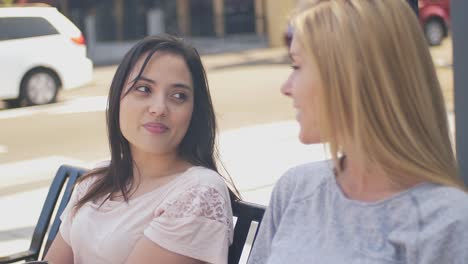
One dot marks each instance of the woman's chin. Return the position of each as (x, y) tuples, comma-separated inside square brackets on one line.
[(307, 138)]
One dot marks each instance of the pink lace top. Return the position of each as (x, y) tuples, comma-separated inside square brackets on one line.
[(191, 216)]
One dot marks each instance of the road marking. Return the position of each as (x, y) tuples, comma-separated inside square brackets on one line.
[(3, 149), (81, 105), (13, 113), (265, 153), (33, 170), (254, 156), (72, 106), (258, 155)]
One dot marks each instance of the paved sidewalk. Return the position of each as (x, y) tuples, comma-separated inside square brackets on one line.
[(254, 156)]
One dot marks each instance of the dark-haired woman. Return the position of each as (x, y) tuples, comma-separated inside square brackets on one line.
[(160, 199)]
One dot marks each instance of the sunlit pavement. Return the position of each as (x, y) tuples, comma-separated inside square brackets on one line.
[(255, 157)]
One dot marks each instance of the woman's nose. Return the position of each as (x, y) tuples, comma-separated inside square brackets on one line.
[(158, 107), (286, 88)]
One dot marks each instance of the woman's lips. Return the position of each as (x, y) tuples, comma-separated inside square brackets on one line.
[(156, 128)]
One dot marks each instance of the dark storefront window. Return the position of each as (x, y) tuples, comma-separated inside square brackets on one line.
[(169, 11), (169, 8), (239, 16), (134, 22), (201, 17), (105, 21), (121, 20)]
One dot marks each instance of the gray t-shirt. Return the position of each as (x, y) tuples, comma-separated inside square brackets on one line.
[(310, 220)]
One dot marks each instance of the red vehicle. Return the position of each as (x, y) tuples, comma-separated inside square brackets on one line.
[(434, 16)]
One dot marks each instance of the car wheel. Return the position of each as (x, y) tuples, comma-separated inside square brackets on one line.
[(39, 87), (435, 31)]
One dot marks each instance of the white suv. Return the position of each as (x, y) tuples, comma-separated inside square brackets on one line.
[(41, 51)]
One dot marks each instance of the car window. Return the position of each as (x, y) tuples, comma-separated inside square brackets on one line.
[(25, 27)]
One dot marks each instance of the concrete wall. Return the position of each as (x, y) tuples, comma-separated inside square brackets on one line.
[(113, 52), (103, 52), (271, 23), (277, 12)]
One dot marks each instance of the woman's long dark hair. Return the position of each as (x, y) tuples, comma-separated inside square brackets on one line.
[(198, 146)]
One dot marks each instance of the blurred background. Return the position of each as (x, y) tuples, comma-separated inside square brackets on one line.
[(57, 59), (112, 26)]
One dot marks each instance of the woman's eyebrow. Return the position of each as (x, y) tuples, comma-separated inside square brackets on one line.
[(142, 78), (174, 85), (182, 85)]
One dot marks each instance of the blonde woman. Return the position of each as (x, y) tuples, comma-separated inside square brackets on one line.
[(363, 81)]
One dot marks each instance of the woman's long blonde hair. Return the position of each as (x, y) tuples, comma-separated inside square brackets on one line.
[(379, 89)]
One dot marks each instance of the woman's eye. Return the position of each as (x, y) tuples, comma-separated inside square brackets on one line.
[(143, 89), (180, 96), (295, 67)]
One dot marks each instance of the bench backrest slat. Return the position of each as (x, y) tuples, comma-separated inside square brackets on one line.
[(246, 214), (72, 178), (64, 173)]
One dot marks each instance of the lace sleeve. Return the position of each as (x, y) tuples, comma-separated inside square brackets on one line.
[(199, 201), (195, 223)]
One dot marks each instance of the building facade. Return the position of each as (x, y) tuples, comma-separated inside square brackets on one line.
[(112, 26)]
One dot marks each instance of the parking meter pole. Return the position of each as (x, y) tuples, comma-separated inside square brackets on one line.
[(460, 66)]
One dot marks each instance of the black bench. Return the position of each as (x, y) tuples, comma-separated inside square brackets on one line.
[(62, 186)]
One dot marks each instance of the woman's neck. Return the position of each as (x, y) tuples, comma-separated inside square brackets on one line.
[(150, 167), (365, 181)]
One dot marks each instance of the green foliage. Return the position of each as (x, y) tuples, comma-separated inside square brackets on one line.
[(7, 2)]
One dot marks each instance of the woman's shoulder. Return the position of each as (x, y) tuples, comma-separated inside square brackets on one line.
[(441, 203), (199, 181), (304, 180), (308, 176), (442, 215), (89, 178), (198, 188), (96, 171), (202, 176)]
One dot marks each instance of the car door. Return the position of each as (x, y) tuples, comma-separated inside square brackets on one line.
[(10, 66), (25, 42)]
